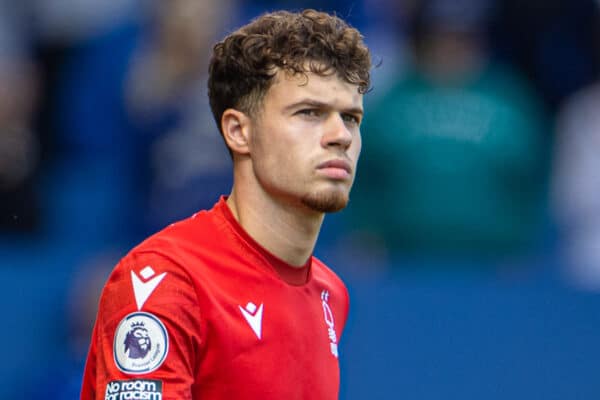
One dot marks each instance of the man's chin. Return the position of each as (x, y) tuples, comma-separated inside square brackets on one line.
[(326, 202)]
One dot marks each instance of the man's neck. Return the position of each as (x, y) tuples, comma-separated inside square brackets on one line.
[(286, 231)]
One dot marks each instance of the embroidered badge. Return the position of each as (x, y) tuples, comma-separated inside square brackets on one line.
[(328, 317), (149, 389), (141, 343)]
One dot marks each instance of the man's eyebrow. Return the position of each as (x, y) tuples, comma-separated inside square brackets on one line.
[(320, 104)]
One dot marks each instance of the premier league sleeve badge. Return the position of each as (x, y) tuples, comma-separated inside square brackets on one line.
[(141, 343)]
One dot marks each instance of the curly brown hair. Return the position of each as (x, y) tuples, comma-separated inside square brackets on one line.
[(244, 64)]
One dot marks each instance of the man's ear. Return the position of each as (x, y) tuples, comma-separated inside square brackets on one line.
[(236, 130)]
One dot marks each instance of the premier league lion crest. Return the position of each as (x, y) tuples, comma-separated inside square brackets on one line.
[(137, 342), (140, 344)]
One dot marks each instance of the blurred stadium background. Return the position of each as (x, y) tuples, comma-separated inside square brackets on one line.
[(471, 247)]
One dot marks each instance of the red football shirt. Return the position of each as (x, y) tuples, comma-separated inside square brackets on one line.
[(202, 311)]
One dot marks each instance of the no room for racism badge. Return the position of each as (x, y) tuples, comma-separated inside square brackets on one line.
[(142, 389)]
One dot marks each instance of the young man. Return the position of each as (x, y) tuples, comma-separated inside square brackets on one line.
[(230, 303)]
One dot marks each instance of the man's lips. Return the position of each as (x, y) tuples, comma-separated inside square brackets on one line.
[(337, 169)]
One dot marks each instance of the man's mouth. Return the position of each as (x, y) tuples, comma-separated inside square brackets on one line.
[(336, 169)]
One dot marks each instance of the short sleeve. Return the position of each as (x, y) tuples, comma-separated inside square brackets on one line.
[(147, 336)]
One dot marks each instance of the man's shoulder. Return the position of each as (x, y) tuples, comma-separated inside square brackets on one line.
[(167, 264), (322, 272), (178, 245), (202, 229), (334, 291), (199, 226)]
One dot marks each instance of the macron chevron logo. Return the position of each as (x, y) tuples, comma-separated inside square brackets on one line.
[(253, 317), (143, 289)]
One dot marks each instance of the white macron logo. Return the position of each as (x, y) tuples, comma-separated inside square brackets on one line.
[(143, 290), (254, 317)]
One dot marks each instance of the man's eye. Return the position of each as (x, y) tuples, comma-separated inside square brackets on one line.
[(309, 112), (352, 119)]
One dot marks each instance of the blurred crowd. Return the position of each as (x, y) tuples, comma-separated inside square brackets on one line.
[(481, 143)]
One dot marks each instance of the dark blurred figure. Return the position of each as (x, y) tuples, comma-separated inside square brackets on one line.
[(95, 166), (186, 164), (60, 117), (118, 94), (455, 157), (554, 42), (19, 142)]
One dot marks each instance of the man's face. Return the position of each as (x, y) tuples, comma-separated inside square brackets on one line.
[(306, 141)]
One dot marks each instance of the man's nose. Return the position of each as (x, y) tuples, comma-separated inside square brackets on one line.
[(337, 132)]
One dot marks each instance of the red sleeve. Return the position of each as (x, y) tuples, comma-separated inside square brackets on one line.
[(147, 335)]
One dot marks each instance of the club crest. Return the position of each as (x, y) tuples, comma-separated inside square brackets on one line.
[(141, 343)]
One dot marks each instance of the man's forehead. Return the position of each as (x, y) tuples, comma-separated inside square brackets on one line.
[(324, 88)]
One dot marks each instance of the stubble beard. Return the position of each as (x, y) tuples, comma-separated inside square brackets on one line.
[(326, 201)]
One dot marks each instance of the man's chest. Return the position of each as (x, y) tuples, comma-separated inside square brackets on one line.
[(269, 341)]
